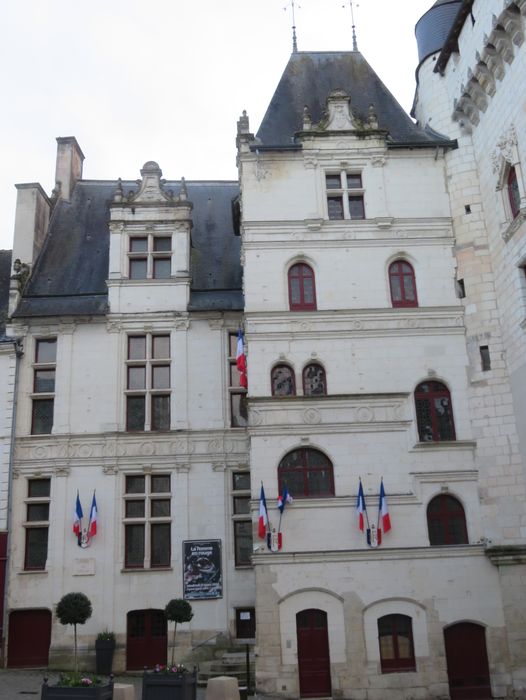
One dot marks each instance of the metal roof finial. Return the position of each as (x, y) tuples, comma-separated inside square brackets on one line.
[(294, 38), (354, 41)]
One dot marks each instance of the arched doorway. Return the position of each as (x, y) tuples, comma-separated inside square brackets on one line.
[(146, 640), (467, 661), (314, 664), (24, 625)]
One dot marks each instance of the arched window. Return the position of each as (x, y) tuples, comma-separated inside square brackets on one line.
[(302, 290), (395, 635), (446, 521), (314, 382), (434, 413), (282, 381), (513, 192), (306, 473), (402, 284)]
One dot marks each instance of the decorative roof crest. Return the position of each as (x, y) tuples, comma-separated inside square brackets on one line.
[(339, 116), (150, 187)]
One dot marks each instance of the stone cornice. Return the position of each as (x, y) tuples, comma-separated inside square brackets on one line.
[(362, 322), (507, 555), (367, 412), (381, 553), (115, 450)]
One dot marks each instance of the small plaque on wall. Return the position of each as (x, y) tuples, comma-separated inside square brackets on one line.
[(84, 567), (202, 575)]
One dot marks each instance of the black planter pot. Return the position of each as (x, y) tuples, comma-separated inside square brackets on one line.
[(104, 649), (94, 692), (169, 686)]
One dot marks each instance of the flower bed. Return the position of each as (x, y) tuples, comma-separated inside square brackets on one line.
[(77, 687)]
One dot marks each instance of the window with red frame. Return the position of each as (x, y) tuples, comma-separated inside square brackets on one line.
[(395, 635), (513, 192), (434, 412), (314, 381), (302, 289), (282, 381), (446, 521), (402, 284), (306, 473)]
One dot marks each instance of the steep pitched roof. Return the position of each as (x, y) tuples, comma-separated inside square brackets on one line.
[(70, 275), (307, 81), (5, 272)]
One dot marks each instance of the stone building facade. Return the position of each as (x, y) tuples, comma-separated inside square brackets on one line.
[(376, 267)]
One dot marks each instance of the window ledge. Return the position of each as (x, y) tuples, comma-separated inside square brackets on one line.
[(27, 572), (444, 445), (155, 570), (508, 231)]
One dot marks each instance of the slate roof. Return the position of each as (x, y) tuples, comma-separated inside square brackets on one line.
[(5, 273), (70, 275), (308, 79)]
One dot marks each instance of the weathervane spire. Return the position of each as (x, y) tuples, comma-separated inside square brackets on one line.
[(354, 41), (294, 39)]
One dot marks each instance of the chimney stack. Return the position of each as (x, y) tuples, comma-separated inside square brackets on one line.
[(69, 165)]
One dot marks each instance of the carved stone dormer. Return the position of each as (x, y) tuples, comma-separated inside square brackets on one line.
[(150, 187), (339, 115)]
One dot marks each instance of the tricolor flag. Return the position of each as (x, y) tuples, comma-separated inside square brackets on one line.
[(77, 517), (360, 508), (383, 511), (284, 499), (263, 515), (92, 527), (241, 360)]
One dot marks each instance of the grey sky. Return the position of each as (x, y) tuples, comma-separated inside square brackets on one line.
[(166, 80)]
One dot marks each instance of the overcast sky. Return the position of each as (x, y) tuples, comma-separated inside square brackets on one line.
[(166, 80)]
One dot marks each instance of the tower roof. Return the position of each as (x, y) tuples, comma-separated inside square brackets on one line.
[(307, 81)]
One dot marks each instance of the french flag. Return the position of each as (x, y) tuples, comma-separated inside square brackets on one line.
[(241, 360), (360, 508), (263, 515), (383, 511), (92, 527), (77, 517), (284, 499)]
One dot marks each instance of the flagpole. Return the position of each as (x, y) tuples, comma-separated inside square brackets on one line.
[(379, 503), (365, 507)]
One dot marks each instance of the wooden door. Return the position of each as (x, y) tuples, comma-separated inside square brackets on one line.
[(314, 665), (29, 638), (146, 639), (467, 661)]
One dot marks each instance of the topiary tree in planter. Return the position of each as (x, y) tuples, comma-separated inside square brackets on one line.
[(178, 610), (74, 609)]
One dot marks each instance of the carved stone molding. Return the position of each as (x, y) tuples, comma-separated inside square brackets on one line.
[(110, 470), (505, 149), (62, 471), (311, 416)]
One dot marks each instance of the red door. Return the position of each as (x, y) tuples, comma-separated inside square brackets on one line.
[(146, 639), (25, 625), (313, 654), (467, 661)]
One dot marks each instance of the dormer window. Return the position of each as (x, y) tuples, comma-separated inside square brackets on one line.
[(150, 257), (344, 196)]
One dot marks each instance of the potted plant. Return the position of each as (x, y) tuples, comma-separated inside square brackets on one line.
[(104, 649), (178, 610), (173, 682), (77, 686), (74, 609)]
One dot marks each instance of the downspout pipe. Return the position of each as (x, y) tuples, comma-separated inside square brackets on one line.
[(19, 353)]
